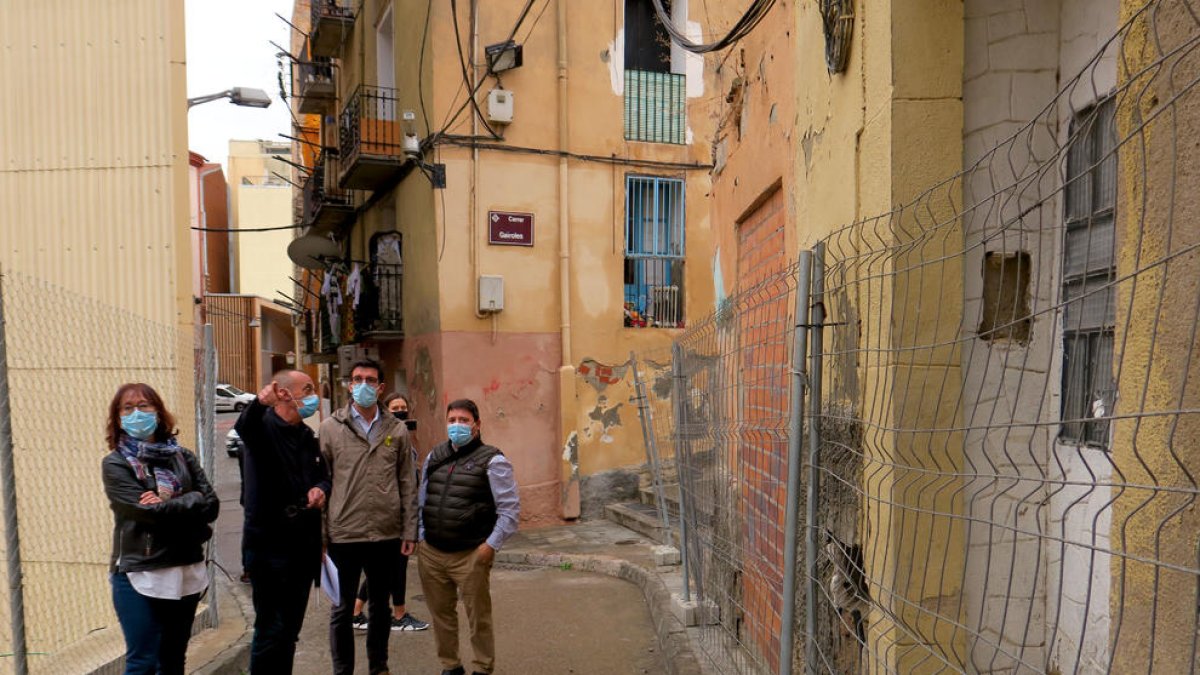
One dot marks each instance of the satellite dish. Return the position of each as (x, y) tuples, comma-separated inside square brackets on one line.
[(312, 250)]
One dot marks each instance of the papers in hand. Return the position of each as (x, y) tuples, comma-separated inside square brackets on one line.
[(329, 580)]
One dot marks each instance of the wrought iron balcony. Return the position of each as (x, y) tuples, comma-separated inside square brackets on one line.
[(370, 139), (655, 107), (332, 21), (326, 206), (379, 315), (312, 82)]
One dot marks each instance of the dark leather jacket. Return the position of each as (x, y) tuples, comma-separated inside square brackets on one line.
[(158, 535)]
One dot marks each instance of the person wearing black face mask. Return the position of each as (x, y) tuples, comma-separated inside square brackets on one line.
[(399, 406)]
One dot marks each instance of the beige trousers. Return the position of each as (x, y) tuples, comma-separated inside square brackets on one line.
[(446, 577)]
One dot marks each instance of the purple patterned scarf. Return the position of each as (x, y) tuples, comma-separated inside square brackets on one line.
[(159, 457)]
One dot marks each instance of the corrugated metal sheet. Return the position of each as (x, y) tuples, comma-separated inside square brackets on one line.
[(234, 339), (93, 154), (94, 242)]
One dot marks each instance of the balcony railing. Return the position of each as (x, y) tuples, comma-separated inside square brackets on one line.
[(654, 292), (312, 78), (332, 21), (379, 312), (327, 207), (655, 107), (370, 138)]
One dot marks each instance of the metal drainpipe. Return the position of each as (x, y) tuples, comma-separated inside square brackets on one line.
[(476, 254), (564, 210)]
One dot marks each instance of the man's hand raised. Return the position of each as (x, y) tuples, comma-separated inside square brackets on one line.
[(269, 396)]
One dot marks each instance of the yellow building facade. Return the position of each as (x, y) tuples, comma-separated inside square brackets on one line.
[(260, 197), (591, 181), (96, 257)]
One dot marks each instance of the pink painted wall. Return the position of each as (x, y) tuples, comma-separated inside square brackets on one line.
[(515, 383)]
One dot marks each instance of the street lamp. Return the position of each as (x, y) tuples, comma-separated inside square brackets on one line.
[(243, 96)]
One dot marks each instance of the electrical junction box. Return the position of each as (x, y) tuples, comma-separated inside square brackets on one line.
[(500, 106), (491, 293)]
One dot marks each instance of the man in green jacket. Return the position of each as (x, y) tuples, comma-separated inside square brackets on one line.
[(372, 512)]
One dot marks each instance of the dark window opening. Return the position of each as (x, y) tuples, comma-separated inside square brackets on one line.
[(647, 43), (1088, 277)]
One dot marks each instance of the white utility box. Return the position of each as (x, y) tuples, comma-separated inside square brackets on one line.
[(491, 293), (500, 106)]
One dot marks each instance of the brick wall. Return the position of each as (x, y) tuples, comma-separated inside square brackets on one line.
[(762, 451)]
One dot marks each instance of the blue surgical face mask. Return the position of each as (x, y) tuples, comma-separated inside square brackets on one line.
[(459, 433), (140, 425), (309, 404), (364, 394)]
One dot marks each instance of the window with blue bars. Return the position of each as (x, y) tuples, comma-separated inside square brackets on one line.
[(654, 252)]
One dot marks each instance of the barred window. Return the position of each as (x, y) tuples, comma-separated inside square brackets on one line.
[(654, 252), (1088, 275)]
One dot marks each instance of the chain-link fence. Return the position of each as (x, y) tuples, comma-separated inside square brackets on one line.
[(63, 356), (1007, 407)]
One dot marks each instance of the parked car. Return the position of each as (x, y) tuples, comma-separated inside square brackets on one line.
[(233, 443), (230, 397)]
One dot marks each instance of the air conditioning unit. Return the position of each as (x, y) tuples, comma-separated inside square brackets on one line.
[(667, 312)]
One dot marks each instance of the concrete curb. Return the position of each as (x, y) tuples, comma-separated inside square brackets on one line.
[(672, 634), (234, 659)]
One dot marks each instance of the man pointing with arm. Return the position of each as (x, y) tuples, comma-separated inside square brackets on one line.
[(285, 486)]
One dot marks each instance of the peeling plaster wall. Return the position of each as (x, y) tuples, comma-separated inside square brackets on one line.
[(755, 136)]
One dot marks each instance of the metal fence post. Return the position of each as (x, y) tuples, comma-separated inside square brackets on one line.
[(681, 466), (646, 415), (207, 448), (816, 347), (8, 493), (799, 347)]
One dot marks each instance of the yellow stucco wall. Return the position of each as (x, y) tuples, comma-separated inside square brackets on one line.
[(440, 228), (261, 267), (94, 238), (1152, 592), (258, 199), (872, 139)]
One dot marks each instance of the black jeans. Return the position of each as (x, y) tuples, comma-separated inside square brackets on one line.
[(378, 559), (280, 589), (156, 631), (399, 584)]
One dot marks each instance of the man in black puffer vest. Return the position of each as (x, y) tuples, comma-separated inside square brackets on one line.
[(469, 508)]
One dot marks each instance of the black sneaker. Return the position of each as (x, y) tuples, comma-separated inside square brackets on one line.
[(359, 621), (408, 622), (457, 670)]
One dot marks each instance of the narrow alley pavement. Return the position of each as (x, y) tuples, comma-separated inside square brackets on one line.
[(548, 620)]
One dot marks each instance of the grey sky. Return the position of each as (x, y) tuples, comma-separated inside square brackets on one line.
[(227, 46)]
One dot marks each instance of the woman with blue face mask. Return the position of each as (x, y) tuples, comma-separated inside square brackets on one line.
[(162, 506)]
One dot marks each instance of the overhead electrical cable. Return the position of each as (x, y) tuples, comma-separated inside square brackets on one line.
[(753, 15), (475, 90)]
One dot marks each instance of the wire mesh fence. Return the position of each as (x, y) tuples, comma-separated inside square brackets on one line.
[(63, 356), (720, 420), (1006, 433)]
